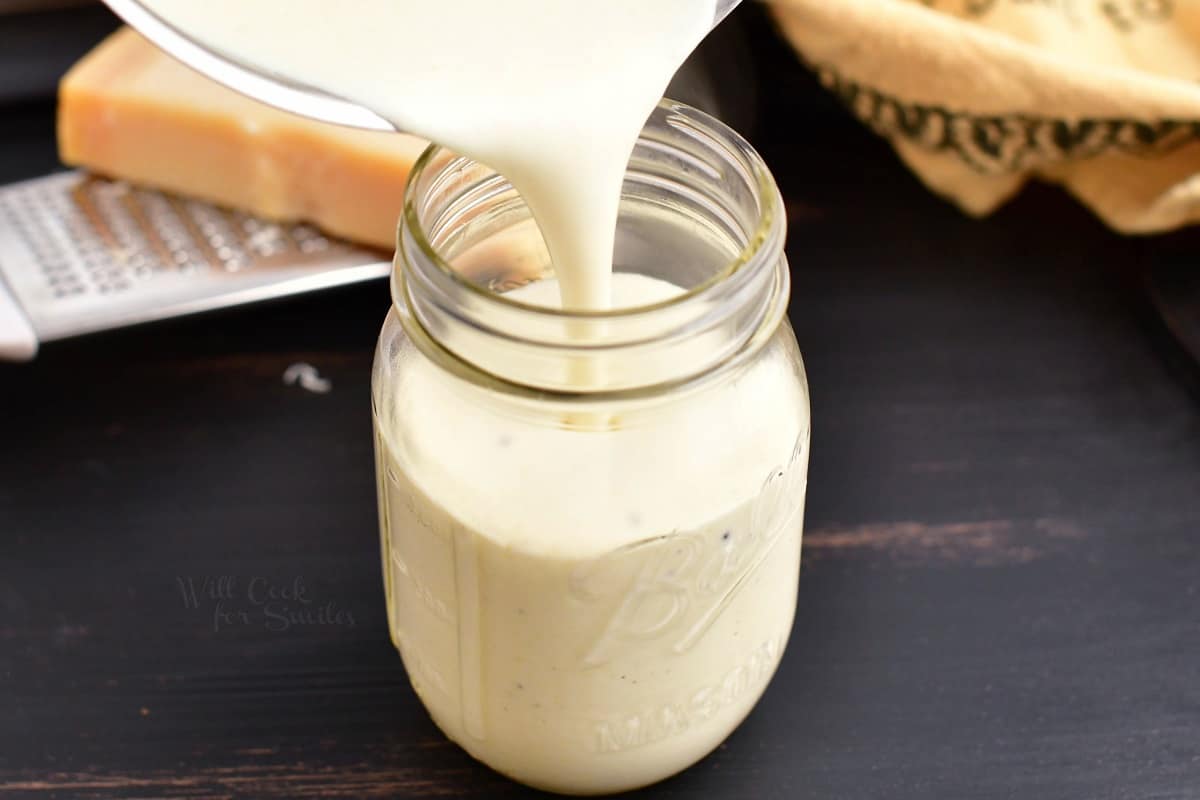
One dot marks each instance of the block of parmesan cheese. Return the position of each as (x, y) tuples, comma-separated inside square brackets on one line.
[(129, 111)]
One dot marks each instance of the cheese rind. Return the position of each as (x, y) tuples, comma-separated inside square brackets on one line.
[(129, 111)]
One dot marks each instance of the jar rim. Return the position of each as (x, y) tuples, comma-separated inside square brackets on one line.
[(770, 210)]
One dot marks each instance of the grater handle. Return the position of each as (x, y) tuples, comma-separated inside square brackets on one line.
[(18, 342)]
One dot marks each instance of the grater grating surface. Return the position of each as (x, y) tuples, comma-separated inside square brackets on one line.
[(81, 253)]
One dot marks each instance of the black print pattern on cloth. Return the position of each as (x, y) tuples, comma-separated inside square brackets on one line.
[(997, 144)]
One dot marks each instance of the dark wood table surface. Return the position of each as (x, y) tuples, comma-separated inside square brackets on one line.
[(1000, 594)]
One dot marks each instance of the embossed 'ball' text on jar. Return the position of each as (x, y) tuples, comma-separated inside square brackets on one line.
[(591, 522)]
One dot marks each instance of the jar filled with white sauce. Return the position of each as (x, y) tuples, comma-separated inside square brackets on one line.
[(591, 520)]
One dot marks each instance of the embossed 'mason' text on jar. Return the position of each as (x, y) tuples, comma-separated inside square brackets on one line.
[(591, 521)]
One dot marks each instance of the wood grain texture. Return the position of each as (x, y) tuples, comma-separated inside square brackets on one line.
[(1002, 566)]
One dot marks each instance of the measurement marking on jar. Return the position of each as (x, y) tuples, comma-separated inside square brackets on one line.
[(419, 667), (638, 729), (418, 518), (426, 595)]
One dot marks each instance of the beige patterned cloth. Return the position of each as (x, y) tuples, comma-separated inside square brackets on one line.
[(978, 96)]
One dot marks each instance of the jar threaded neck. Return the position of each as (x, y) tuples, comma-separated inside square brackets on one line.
[(700, 210)]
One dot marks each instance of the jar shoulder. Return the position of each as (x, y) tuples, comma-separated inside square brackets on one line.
[(668, 463)]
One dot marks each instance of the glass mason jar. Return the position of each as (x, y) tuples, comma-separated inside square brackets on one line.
[(591, 522)]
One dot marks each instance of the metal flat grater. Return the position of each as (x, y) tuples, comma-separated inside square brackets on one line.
[(80, 254)]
